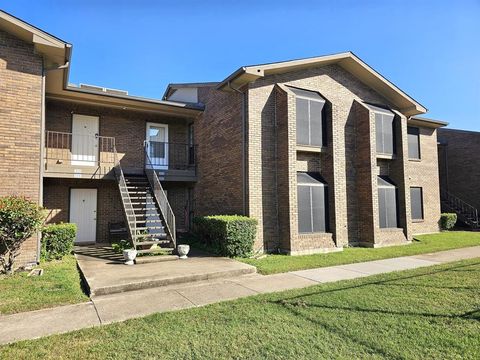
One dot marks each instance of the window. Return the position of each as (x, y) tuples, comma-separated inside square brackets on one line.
[(312, 203), (384, 130), (309, 114), (416, 201), (413, 142), (387, 202)]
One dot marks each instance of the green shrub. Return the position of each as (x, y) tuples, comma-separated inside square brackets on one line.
[(227, 235), (20, 219), (57, 240), (448, 221)]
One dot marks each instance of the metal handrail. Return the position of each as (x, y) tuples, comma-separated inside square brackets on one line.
[(126, 201), (161, 197), (461, 205), (59, 146)]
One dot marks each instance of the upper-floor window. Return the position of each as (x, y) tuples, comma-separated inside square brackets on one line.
[(384, 130), (309, 117), (312, 203), (413, 142), (387, 202)]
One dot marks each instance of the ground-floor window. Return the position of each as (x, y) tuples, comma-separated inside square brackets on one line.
[(416, 201), (312, 203), (387, 203)]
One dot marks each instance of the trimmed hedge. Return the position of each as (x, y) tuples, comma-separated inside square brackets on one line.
[(448, 221), (227, 235), (57, 240)]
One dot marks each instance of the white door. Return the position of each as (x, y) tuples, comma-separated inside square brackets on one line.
[(84, 140), (157, 145), (83, 212)]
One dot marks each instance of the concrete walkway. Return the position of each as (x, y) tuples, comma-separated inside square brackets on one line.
[(122, 306)]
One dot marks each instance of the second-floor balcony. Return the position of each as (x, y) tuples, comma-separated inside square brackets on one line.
[(93, 157)]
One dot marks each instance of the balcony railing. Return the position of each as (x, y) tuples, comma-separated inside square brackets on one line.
[(170, 156), (78, 154), (93, 156)]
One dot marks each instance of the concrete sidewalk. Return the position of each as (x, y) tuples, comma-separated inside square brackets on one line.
[(122, 306)]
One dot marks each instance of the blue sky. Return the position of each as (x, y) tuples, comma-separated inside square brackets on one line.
[(430, 49)]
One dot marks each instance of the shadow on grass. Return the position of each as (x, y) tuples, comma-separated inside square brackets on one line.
[(294, 304)]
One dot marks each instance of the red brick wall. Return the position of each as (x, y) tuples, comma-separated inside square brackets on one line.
[(459, 160), (20, 125), (218, 133)]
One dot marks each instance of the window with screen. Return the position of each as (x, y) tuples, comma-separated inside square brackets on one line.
[(310, 109), (312, 203), (387, 203), (384, 130), (413, 142), (416, 202)]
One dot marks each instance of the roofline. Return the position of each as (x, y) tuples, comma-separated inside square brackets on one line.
[(175, 86), (257, 71), (33, 28), (173, 104), (427, 121)]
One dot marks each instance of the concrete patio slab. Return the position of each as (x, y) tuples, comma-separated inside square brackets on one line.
[(132, 304), (273, 283), (215, 292), (35, 324), (105, 273)]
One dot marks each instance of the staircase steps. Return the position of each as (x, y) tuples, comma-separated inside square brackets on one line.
[(149, 223)]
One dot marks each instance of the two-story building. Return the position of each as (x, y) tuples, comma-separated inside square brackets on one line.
[(324, 152)]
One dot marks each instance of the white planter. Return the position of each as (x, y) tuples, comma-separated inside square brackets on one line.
[(129, 255), (183, 251)]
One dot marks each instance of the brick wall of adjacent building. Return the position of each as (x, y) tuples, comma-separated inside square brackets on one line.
[(20, 125), (425, 174), (459, 159), (218, 133)]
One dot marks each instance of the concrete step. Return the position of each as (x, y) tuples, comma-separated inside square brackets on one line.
[(153, 242)]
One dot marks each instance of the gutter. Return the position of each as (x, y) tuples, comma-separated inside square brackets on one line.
[(42, 140), (244, 147)]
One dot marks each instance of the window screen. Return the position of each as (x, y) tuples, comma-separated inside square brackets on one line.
[(309, 114), (416, 201), (387, 203), (384, 127), (413, 143), (312, 203)]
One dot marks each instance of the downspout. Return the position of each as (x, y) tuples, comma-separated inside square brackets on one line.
[(42, 149), (42, 143), (244, 147)]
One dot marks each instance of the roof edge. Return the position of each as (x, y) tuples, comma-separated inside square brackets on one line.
[(423, 121)]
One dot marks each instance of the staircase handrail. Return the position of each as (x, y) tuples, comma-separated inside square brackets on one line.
[(460, 204), (126, 201), (161, 197)]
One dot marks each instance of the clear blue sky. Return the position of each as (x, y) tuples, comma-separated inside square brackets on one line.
[(430, 49)]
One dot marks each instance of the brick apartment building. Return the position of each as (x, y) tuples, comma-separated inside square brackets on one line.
[(324, 152), (459, 159)]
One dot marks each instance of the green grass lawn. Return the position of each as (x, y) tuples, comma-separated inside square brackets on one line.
[(60, 284), (428, 313), (422, 244)]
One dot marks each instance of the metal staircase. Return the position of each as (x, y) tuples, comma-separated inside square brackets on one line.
[(466, 213), (150, 219)]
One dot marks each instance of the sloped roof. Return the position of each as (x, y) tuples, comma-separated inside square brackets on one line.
[(54, 50), (347, 60)]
